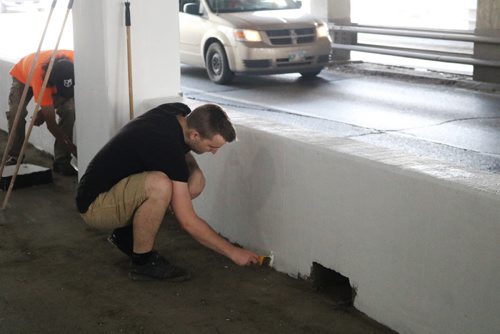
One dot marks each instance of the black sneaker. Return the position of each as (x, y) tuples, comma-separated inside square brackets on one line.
[(65, 169), (158, 268), (123, 239)]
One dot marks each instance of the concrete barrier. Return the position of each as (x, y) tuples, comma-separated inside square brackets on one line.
[(418, 239)]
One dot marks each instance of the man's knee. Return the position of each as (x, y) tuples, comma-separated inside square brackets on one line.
[(158, 186)]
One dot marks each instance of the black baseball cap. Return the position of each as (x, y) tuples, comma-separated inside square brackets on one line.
[(63, 77)]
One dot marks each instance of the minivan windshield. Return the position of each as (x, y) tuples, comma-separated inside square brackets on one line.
[(233, 6)]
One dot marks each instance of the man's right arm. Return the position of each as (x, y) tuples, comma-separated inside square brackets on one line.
[(201, 231)]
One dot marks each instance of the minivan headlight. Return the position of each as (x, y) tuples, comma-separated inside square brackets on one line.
[(247, 35), (322, 30)]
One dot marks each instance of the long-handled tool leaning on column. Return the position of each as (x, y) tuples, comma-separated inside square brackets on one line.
[(129, 60)]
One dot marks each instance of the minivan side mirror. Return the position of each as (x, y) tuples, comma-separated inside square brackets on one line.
[(191, 8)]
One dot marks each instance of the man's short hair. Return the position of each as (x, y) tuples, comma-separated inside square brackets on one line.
[(210, 120)]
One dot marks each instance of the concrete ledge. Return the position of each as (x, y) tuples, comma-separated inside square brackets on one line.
[(418, 239)]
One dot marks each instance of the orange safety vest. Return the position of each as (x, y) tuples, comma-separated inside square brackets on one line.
[(21, 71)]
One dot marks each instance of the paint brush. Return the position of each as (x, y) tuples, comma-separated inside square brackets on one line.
[(266, 260)]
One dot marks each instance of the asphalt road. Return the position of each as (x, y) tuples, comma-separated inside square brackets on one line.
[(427, 118)]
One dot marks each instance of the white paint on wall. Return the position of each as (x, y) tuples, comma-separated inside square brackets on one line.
[(418, 239)]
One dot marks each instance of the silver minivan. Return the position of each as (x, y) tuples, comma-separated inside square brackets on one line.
[(230, 37)]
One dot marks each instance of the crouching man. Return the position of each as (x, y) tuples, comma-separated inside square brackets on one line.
[(148, 167)]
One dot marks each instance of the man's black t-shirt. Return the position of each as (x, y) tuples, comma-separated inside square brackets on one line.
[(153, 141)]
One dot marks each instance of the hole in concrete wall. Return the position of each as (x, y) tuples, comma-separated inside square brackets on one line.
[(332, 284)]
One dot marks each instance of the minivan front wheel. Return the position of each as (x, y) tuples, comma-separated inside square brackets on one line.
[(311, 73), (217, 64)]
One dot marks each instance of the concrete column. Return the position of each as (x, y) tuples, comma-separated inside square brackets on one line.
[(330, 10), (487, 23), (319, 8), (101, 66), (339, 12)]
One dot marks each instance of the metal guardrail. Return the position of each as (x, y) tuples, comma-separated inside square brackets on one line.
[(347, 34)]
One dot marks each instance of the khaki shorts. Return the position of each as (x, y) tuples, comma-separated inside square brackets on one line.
[(116, 208)]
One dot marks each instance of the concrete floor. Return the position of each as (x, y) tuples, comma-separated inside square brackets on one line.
[(58, 276)]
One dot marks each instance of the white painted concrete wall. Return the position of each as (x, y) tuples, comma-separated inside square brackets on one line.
[(419, 240)]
